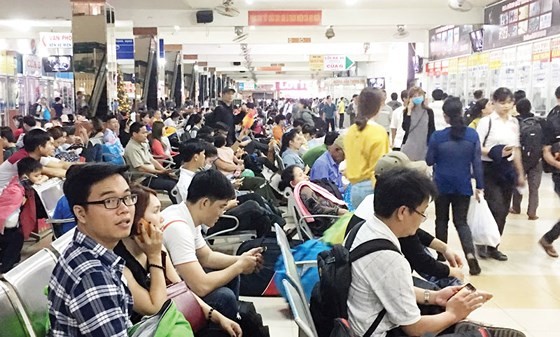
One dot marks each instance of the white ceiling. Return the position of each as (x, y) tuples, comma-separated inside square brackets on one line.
[(364, 21)]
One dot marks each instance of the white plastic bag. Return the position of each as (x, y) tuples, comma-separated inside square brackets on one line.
[(483, 226)]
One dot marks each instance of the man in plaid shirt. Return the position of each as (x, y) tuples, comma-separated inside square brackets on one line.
[(87, 292)]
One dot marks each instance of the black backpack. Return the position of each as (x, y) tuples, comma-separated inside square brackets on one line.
[(33, 110), (329, 296), (251, 322), (531, 133), (553, 119)]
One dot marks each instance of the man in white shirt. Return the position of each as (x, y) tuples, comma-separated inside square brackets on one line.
[(209, 194), (397, 132), (382, 279), (437, 107), (194, 158)]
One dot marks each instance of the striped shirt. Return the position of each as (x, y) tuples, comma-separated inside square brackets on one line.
[(87, 292)]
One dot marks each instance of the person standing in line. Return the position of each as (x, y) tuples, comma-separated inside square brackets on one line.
[(351, 109), (454, 152), (328, 112), (482, 108), (385, 114), (501, 161), (341, 110), (393, 103), (418, 125), (397, 132), (437, 107), (364, 143)]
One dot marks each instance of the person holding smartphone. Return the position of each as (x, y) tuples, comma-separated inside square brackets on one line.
[(501, 162)]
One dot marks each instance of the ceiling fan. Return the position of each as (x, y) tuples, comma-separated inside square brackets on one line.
[(460, 5), (240, 35), (227, 8), (401, 32)]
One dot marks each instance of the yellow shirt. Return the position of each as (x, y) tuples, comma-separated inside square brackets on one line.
[(341, 107), (363, 149), (474, 123)]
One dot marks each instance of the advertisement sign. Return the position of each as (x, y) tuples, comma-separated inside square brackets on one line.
[(376, 82), (449, 41), (316, 62), (285, 18), (336, 62), (57, 64), (125, 49), (56, 40), (292, 85), (32, 65), (515, 21)]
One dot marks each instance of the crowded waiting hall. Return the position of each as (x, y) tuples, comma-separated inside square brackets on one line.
[(266, 168)]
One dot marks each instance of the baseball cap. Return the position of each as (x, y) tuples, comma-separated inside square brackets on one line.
[(396, 159), (339, 141), (228, 89)]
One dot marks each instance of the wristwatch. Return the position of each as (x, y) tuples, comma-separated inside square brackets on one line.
[(426, 297)]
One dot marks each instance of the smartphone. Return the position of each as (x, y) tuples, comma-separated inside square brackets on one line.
[(469, 287)]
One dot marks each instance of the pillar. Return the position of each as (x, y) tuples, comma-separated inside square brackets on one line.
[(94, 60), (146, 66)]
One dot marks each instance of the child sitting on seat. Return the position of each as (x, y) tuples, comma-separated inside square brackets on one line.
[(11, 201)]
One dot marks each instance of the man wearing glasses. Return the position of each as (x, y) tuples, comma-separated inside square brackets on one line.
[(86, 293)]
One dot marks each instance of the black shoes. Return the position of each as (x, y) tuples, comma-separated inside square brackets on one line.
[(497, 255), (482, 252), (486, 331), (474, 268)]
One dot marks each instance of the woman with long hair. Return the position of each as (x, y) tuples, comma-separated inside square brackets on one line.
[(364, 143), (148, 267), (418, 125), (501, 161), (455, 152), (161, 148), (481, 108)]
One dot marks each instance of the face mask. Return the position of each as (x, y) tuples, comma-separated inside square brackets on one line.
[(418, 100)]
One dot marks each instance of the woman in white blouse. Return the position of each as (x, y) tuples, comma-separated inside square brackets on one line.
[(501, 161)]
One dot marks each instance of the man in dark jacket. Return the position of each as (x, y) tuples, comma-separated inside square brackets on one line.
[(224, 113)]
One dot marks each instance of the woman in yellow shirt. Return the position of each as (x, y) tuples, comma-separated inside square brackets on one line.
[(481, 108), (364, 143)]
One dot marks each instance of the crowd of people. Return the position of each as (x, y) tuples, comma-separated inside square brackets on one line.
[(212, 162)]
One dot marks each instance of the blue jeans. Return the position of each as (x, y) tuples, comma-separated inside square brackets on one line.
[(224, 299), (360, 191)]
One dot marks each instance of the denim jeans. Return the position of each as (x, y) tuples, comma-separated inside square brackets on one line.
[(224, 299), (360, 191), (460, 206)]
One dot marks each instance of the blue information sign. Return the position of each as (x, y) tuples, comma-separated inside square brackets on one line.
[(125, 49)]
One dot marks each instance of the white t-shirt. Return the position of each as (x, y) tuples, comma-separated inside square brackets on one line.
[(185, 179), (501, 133), (380, 280), (439, 119), (180, 236), (8, 169), (396, 123)]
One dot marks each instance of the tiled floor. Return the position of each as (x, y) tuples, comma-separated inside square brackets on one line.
[(526, 288)]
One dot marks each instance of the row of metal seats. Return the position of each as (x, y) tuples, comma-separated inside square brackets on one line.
[(23, 299)]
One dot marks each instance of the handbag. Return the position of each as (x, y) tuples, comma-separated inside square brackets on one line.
[(187, 304), (168, 322), (482, 223)]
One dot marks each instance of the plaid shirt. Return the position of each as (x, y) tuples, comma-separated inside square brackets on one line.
[(87, 292)]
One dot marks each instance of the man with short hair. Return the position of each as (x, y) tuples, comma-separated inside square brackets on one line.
[(311, 155), (382, 280), (437, 107), (327, 112), (327, 165), (341, 110), (38, 144), (351, 110), (224, 113), (209, 195), (393, 103), (137, 155), (397, 132), (110, 135), (194, 159), (87, 295)]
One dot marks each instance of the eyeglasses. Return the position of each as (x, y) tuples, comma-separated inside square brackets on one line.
[(424, 216), (114, 203)]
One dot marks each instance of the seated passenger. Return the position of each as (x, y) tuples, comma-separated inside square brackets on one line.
[(316, 151), (326, 166), (62, 211), (148, 268), (291, 143), (382, 280), (211, 275), (11, 201), (38, 145), (87, 295), (8, 142), (137, 155), (315, 199)]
